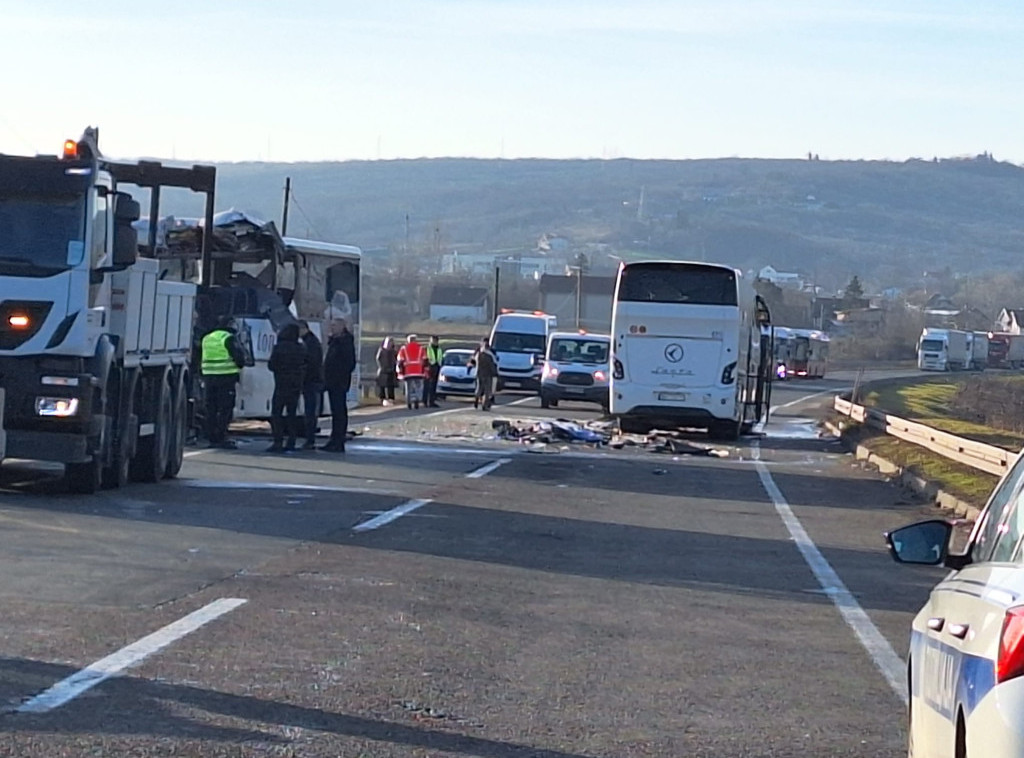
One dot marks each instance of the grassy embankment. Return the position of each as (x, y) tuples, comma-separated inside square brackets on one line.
[(932, 402)]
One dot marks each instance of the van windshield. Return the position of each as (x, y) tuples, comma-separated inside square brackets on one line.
[(515, 342), (578, 350)]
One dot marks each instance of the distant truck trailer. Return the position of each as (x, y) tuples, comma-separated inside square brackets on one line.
[(1005, 350)]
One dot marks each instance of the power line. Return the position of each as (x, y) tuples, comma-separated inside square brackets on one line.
[(294, 201)]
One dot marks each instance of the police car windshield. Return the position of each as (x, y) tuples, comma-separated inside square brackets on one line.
[(514, 342), (35, 231), (578, 350)]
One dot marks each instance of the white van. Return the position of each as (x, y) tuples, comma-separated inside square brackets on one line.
[(519, 339)]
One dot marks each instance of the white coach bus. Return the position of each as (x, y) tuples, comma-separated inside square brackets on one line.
[(691, 348)]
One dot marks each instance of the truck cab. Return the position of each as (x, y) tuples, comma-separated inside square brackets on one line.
[(94, 343)]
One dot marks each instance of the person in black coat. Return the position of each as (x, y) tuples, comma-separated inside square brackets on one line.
[(313, 385), (339, 364), (288, 363)]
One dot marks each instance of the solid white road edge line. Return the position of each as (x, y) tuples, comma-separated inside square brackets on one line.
[(811, 396), (132, 655), (885, 658), (388, 516), (487, 468)]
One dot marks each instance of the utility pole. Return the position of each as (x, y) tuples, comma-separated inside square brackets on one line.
[(497, 289), (579, 295), (287, 197)]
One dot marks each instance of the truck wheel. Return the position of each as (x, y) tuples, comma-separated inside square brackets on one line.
[(117, 473), (84, 478), (178, 431), (150, 461)]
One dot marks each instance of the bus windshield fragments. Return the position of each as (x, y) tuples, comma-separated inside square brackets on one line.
[(677, 283), (36, 230)]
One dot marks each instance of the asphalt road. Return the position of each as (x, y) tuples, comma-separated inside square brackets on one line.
[(463, 599)]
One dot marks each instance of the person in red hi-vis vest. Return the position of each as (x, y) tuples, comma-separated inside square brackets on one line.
[(412, 366)]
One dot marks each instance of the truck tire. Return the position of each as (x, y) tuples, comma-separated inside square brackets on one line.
[(84, 478), (178, 429), (118, 473), (151, 456)]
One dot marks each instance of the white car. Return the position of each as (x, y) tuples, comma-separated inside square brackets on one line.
[(966, 661), (455, 377)]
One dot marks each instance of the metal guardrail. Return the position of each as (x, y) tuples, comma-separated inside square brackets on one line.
[(989, 458)]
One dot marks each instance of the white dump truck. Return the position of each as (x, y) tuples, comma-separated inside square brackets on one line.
[(95, 338)]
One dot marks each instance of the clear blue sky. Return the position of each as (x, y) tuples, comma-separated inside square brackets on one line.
[(320, 80)]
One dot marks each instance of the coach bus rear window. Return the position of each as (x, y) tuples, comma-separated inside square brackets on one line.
[(677, 283)]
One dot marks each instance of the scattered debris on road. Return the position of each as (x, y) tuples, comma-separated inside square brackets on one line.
[(542, 433)]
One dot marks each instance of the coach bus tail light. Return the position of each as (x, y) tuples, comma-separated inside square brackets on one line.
[(1010, 663), (729, 374), (617, 370)]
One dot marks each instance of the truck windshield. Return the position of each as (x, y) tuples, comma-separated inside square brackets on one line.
[(933, 346), (35, 232), (514, 342)]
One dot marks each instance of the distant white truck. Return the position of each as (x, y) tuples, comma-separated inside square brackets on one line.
[(943, 350), (519, 340)]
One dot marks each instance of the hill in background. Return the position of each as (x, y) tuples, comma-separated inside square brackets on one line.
[(887, 222)]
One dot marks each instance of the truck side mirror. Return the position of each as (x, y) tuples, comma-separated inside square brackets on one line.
[(126, 238)]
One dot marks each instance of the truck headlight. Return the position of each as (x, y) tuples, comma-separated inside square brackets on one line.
[(62, 407)]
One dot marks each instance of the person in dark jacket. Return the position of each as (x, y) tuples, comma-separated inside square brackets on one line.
[(313, 385), (288, 363), (387, 371), (339, 363), (486, 363)]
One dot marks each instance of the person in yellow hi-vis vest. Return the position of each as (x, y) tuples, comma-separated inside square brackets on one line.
[(434, 354), (221, 366)]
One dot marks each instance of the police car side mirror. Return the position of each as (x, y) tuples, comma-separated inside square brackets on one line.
[(925, 543)]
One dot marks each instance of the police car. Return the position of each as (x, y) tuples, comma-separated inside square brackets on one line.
[(966, 662), (576, 367)]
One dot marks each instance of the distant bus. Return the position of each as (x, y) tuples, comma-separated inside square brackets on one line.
[(808, 353), (691, 348), (315, 282)]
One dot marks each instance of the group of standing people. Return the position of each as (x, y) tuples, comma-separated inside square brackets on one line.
[(418, 367), (301, 368), (415, 365)]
